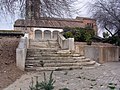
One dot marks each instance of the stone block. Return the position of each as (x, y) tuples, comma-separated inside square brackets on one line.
[(20, 58)]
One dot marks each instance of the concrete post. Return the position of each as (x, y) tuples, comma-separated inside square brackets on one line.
[(21, 53), (20, 58), (71, 44)]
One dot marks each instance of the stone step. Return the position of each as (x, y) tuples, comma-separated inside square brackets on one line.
[(54, 55), (44, 44), (37, 40), (33, 53), (42, 50), (45, 55), (50, 50), (55, 58), (56, 61), (63, 51), (52, 68), (56, 68), (61, 64)]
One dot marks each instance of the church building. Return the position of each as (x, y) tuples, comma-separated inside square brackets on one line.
[(45, 28)]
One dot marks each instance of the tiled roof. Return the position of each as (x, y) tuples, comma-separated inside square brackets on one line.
[(49, 22)]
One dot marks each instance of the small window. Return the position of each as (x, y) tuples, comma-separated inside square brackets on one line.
[(90, 25)]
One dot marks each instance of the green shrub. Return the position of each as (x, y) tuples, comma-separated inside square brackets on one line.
[(88, 37), (79, 34), (113, 40), (68, 34), (112, 86)]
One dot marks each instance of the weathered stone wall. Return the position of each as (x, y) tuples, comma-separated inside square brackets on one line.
[(92, 52), (100, 52)]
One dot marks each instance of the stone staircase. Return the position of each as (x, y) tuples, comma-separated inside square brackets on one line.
[(44, 44), (48, 56)]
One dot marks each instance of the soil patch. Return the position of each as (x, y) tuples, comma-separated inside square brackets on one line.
[(8, 70)]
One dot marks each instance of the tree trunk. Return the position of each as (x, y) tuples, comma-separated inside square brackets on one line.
[(32, 9)]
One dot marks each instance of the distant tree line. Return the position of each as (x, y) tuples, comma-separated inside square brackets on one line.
[(107, 14)]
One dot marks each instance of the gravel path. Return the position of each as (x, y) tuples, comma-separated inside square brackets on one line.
[(85, 79)]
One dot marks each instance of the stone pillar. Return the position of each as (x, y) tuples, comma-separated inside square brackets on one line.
[(42, 34), (33, 35), (51, 35)]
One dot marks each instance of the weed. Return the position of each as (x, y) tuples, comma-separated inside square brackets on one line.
[(93, 79), (66, 73), (79, 77), (44, 85), (112, 86)]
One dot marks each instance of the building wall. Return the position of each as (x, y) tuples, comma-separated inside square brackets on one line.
[(41, 33), (91, 23), (27, 30), (78, 22)]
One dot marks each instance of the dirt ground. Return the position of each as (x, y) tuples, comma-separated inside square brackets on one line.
[(8, 71)]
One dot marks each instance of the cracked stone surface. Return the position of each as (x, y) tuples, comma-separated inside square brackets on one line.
[(98, 78)]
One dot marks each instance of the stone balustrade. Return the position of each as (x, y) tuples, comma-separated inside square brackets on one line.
[(66, 43), (21, 52)]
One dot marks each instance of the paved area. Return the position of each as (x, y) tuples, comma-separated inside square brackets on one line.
[(84, 79)]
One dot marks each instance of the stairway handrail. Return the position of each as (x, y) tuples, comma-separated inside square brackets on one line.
[(64, 43), (21, 51)]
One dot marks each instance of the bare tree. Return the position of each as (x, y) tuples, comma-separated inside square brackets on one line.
[(107, 13), (48, 8)]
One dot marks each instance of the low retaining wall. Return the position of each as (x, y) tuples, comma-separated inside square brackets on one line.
[(99, 52), (21, 52)]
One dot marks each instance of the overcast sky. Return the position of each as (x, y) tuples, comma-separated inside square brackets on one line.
[(7, 23)]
